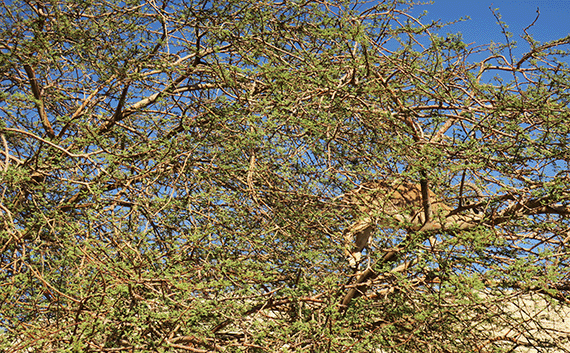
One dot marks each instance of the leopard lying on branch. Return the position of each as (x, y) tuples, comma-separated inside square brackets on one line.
[(399, 205)]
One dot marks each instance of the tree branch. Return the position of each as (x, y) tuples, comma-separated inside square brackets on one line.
[(39, 100), (561, 41)]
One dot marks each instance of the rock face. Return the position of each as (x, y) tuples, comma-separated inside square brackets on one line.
[(533, 320), (522, 322)]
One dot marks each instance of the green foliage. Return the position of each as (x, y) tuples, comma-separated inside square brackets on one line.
[(171, 177)]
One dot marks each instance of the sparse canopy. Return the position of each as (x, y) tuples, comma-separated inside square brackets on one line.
[(172, 176)]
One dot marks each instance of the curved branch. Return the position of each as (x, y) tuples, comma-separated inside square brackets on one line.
[(561, 41), (69, 154)]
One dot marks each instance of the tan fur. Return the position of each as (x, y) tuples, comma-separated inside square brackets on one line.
[(397, 205)]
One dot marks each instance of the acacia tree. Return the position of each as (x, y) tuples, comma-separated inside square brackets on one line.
[(173, 172)]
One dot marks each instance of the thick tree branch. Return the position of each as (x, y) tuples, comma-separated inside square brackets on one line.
[(39, 100), (118, 115)]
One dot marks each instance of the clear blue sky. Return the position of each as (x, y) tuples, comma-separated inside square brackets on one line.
[(553, 23)]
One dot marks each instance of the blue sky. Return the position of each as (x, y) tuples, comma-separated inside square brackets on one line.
[(553, 23)]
